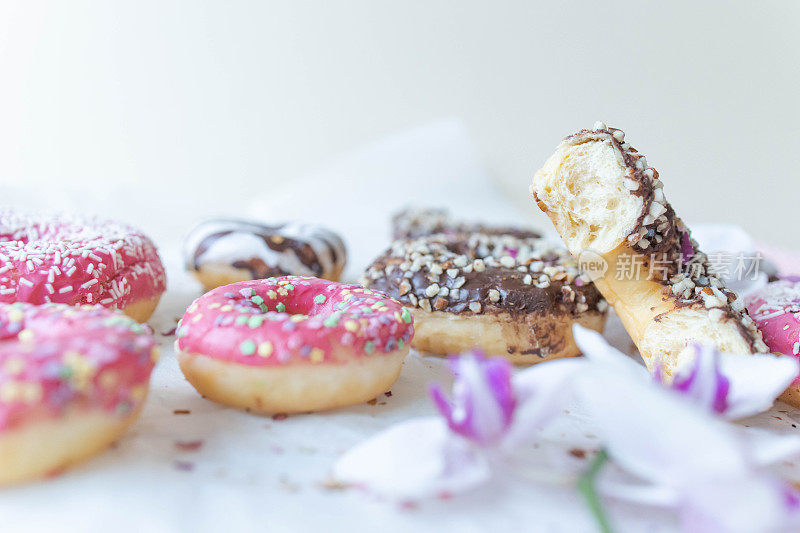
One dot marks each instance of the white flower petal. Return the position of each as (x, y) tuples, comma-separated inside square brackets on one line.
[(747, 504), (597, 349), (638, 493), (756, 380), (543, 391), (411, 460), (765, 448), (656, 435)]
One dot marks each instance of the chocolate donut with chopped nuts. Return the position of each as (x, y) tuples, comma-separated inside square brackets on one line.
[(606, 201), (415, 222), (509, 296)]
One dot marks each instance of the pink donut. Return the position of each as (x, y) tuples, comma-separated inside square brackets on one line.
[(292, 344), (77, 260), (775, 308), (71, 380)]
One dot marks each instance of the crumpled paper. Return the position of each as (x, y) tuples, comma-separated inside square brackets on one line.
[(191, 465)]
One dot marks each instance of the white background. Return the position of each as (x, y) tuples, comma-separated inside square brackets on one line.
[(199, 105)]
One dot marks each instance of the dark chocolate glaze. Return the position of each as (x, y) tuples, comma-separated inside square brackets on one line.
[(515, 296), (302, 250)]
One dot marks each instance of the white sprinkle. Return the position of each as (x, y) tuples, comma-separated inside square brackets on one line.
[(64, 290), (425, 304), (49, 288), (657, 209), (71, 271), (432, 290), (507, 261), (89, 283), (26, 282), (7, 291)]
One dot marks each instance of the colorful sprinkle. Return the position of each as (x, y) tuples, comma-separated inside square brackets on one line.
[(248, 347)]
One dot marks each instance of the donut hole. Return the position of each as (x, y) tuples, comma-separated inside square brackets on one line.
[(582, 187)]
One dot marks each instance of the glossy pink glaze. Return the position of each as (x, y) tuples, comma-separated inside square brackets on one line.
[(291, 319), (55, 356), (776, 310), (76, 260)]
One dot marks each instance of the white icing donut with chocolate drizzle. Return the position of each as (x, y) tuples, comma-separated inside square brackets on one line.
[(223, 251)]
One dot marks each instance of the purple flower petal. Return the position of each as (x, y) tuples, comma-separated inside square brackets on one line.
[(705, 381), (483, 400)]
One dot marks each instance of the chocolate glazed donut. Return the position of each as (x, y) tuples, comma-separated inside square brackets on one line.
[(223, 251), (512, 297)]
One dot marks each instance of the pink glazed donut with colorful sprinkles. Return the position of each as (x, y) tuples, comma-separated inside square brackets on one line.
[(293, 344), (775, 307), (71, 381), (78, 260)]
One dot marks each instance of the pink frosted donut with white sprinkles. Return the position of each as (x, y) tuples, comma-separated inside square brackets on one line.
[(71, 381), (78, 260), (293, 344), (775, 308)]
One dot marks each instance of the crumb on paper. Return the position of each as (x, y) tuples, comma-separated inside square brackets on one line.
[(578, 453), (188, 445), (333, 485)]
